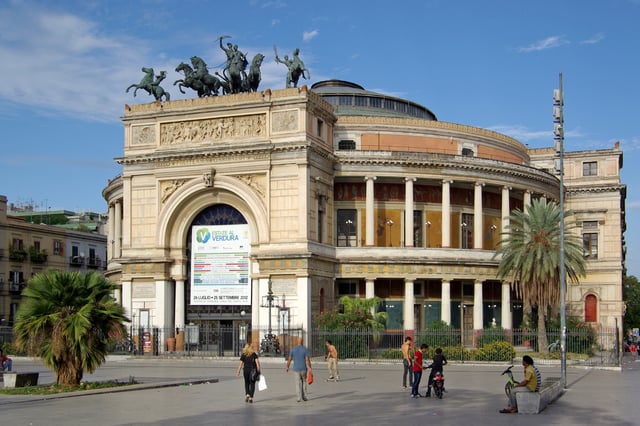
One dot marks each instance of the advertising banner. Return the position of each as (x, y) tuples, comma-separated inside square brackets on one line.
[(220, 265)]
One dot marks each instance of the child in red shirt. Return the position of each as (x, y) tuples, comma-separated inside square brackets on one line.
[(417, 369)]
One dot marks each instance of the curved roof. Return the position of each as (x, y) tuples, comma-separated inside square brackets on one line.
[(352, 99)]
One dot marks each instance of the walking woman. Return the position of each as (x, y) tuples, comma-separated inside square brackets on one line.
[(249, 360)]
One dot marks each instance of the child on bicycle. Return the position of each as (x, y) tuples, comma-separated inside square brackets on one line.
[(439, 361)]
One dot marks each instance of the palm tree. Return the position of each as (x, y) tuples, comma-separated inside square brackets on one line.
[(530, 251), (375, 320), (67, 319)]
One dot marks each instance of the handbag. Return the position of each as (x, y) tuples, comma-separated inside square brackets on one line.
[(262, 383), (310, 377), (255, 375)]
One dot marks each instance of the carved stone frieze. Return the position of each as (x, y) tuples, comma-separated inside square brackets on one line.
[(143, 135), (211, 130), (256, 182), (167, 188), (285, 121)]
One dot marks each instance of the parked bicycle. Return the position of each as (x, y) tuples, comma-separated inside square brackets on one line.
[(510, 382)]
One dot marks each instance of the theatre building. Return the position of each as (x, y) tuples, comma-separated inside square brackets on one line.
[(315, 193)]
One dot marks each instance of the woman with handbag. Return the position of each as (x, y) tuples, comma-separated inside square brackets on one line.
[(251, 371)]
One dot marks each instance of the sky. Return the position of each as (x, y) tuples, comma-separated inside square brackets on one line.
[(65, 65)]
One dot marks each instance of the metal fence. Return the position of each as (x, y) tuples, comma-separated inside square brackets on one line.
[(585, 345), (205, 340)]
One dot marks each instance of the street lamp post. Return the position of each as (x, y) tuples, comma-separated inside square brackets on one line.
[(349, 222), (558, 135), (390, 223), (270, 342), (465, 242)]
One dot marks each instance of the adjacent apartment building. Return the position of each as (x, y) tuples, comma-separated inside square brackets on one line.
[(29, 245)]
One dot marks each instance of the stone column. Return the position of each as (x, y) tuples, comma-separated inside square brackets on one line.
[(370, 289), (506, 319), (506, 210), (446, 213), (369, 210), (408, 209), (118, 230), (409, 301), (477, 305), (111, 238), (477, 216), (127, 303), (445, 308), (526, 199), (180, 305)]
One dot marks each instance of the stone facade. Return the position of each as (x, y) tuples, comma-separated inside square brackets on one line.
[(323, 181)]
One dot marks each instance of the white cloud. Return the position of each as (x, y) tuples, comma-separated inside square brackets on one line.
[(596, 38), (522, 133), (60, 62), (547, 43), (308, 35)]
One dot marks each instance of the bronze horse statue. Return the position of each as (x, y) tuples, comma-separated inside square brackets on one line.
[(254, 76), (207, 86), (150, 85)]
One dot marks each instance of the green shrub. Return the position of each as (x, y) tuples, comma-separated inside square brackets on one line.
[(490, 335), (495, 351)]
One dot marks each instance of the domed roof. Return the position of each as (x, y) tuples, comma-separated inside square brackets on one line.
[(352, 99)]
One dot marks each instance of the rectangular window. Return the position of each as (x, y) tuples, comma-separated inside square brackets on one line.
[(361, 101), (590, 168), (346, 145), (590, 239), (347, 228), (590, 245), (345, 100), (57, 247), (417, 228), (36, 245), (320, 125), (18, 244), (347, 288)]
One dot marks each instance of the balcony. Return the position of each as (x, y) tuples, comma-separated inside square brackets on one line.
[(76, 260), (17, 255), (94, 262), (37, 256), (16, 288)]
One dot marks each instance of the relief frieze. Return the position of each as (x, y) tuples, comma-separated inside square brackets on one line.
[(143, 135), (211, 130), (285, 121)]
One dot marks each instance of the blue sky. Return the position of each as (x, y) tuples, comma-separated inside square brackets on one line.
[(65, 65)]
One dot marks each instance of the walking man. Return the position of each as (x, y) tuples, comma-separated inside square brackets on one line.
[(332, 361), (301, 363)]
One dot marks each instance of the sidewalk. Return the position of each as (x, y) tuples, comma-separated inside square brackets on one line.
[(367, 394)]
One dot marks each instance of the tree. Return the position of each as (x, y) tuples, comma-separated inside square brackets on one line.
[(631, 297), (375, 320), (67, 319), (530, 250)]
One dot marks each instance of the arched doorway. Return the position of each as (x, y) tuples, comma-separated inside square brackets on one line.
[(218, 294), (590, 308)]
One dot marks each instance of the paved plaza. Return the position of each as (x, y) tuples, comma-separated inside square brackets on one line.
[(206, 392)]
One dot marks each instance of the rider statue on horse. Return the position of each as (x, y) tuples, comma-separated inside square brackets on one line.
[(151, 84), (236, 66), (295, 66)]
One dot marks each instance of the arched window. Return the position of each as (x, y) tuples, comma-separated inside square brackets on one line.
[(591, 308)]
